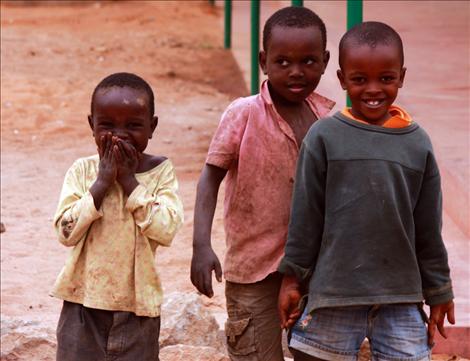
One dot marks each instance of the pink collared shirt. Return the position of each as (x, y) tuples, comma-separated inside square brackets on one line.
[(259, 150)]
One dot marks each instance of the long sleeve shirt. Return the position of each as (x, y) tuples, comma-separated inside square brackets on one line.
[(112, 262), (366, 217)]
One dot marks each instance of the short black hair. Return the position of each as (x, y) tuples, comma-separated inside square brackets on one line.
[(126, 80), (293, 17), (371, 33)]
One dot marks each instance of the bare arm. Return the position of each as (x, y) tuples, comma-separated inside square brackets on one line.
[(98, 191), (204, 260)]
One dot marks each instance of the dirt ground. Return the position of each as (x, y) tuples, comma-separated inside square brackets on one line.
[(51, 59)]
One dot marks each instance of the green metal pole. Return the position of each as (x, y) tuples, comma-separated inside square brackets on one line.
[(297, 2), (354, 12), (254, 46), (228, 24), (354, 17)]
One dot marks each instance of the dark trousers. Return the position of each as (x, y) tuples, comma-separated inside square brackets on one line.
[(87, 334)]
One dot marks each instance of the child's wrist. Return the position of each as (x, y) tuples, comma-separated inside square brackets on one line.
[(201, 246), (128, 183), (125, 178), (102, 182), (290, 282)]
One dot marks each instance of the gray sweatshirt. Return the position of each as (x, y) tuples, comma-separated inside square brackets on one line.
[(365, 225)]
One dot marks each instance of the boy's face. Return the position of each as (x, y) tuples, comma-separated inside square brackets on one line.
[(123, 112), (294, 62), (372, 77)]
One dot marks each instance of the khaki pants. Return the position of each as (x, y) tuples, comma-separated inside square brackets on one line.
[(87, 334), (253, 328)]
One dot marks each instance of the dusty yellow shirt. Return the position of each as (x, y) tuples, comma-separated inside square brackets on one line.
[(112, 264)]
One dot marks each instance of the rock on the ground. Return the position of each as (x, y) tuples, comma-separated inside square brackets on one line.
[(193, 353), (186, 321), (26, 341)]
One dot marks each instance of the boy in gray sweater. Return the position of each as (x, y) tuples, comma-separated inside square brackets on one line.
[(364, 237)]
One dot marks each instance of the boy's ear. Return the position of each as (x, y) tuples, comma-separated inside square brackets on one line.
[(326, 59), (340, 76), (90, 123), (402, 77), (262, 61), (153, 125)]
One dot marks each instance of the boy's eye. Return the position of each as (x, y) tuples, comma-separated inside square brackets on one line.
[(283, 62), (309, 61), (358, 80), (388, 78), (105, 124)]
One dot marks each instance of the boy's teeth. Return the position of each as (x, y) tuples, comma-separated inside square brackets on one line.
[(372, 102)]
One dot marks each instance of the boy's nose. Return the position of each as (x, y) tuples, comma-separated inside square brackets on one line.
[(373, 87), (296, 70)]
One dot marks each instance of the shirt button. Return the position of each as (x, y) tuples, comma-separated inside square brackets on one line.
[(291, 180)]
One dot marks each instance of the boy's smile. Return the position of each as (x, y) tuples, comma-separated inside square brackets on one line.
[(294, 62), (124, 112), (372, 77)]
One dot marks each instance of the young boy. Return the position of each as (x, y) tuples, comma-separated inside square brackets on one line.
[(115, 209), (256, 145), (365, 229)]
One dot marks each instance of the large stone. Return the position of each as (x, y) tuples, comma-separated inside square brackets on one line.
[(193, 353), (26, 341), (186, 321)]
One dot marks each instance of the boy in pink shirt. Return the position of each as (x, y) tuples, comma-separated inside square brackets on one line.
[(256, 145)]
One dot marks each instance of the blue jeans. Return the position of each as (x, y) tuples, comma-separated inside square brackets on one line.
[(396, 332)]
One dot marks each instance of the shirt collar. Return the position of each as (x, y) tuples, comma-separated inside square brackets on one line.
[(399, 117)]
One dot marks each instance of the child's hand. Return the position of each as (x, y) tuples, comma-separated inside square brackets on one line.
[(205, 261), (438, 314), (127, 161), (289, 297), (107, 170)]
